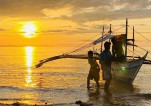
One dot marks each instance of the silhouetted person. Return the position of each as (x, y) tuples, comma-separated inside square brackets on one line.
[(94, 70), (114, 47), (117, 48), (105, 61)]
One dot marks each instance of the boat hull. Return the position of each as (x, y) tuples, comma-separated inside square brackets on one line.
[(126, 71)]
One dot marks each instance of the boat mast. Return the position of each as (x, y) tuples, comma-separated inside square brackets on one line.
[(102, 36), (126, 37), (133, 42), (110, 31)]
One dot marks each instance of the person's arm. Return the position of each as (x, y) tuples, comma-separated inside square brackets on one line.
[(92, 62), (98, 66), (111, 56), (102, 58)]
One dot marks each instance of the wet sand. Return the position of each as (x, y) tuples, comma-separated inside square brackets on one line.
[(63, 104)]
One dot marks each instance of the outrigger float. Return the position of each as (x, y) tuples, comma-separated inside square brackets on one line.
[(125, 69)]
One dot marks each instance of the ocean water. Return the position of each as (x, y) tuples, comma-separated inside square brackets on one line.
[(62, 82)]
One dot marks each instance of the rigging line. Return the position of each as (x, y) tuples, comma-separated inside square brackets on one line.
[(144, 38), (119, 28), (132, 51), (87, 45), (141, 35), (79, 49), (141, 53), (135, 51), (73, 49), (146, 51)]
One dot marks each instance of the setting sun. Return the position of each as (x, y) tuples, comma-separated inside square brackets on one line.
[(29, 29)]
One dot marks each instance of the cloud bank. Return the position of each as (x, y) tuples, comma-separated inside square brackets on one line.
[(77, 10)]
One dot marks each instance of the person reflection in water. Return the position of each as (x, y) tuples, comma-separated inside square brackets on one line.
[(94, 70), (105, 61)]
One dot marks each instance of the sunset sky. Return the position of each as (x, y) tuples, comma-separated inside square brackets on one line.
[(64, 22)]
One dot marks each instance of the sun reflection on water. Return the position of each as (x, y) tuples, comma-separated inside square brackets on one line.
[(29, 60), (29, 57)]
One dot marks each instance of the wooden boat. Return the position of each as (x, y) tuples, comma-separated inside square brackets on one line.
[(125, 70)]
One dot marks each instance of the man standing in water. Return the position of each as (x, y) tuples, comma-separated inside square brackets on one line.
[(105, 61)]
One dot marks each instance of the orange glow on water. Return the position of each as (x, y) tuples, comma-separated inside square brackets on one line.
[(29, 60)]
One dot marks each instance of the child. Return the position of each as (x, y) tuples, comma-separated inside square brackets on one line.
[(94, 70)]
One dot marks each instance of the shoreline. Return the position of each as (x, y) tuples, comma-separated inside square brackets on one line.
[(45, 104), (77, 103)]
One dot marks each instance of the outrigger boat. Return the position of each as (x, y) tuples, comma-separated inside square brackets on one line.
[(125, 70)]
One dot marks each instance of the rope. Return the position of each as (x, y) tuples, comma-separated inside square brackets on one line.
[(140, 52), (145, 39), (119, 28), (88, 45), (145, 50), (132, 51), (73, 49), (79, 49), (140, 34)]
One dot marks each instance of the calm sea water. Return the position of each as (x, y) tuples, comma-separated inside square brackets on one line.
[(62, 82)]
